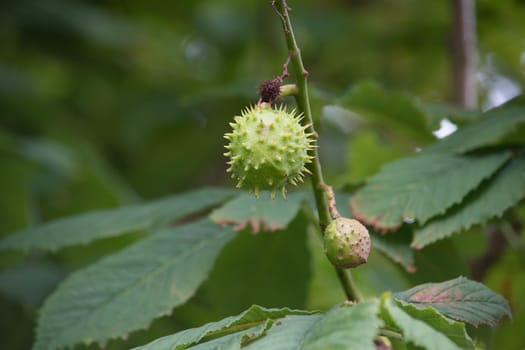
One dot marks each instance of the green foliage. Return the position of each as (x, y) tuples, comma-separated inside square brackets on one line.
[(470, 177), (243, 323), (284, 329), (358, 325), (421, 187), (125, 291), (488, 131), (503, 191), (107, 299), (427, 328), (263, 214), (85, 228), (107, 105), (341, 326), (460, 299)]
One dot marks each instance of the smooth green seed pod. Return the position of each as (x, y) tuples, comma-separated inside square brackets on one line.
[(263, 155), (346, 243)]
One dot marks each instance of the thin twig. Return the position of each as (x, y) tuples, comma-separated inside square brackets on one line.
[(285, 73), (303, 104), (282, 15)]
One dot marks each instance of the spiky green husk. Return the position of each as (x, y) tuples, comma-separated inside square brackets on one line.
[(268, 149), (346, 242)]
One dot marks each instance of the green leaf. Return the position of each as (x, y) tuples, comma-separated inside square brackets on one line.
[(259, 213), (343, 327), (491, 129), (460, 299), (421, 187), (125, 291), (502, 192), (258, 328), (236, 340), (239, 325), (340, 328), (84, 228), (427, 327)]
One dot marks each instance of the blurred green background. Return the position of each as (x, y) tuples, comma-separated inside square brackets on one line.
[(105, 103)]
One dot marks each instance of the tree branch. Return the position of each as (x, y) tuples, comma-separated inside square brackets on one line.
[(303, 104), (464, 53)]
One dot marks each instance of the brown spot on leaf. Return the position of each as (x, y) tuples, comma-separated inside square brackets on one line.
[(433, 294)]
